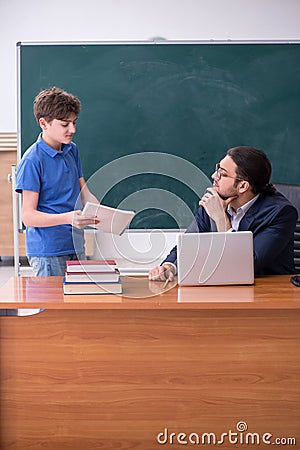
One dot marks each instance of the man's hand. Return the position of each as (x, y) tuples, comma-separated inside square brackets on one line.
[(162, 273), (216, 207)]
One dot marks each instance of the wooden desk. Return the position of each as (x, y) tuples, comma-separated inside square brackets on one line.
[(104, 372)]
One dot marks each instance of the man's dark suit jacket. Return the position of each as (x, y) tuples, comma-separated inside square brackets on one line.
[(272, 220)]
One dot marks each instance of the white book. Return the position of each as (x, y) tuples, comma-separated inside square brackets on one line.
[(112, 220), (89, 277), (92, 288)]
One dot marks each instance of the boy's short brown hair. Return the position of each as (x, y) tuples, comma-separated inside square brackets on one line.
[(54, 103)]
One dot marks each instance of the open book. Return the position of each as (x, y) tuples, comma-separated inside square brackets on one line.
[(111, 220)]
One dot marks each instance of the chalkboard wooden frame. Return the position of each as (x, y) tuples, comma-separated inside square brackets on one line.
[(190, 99)]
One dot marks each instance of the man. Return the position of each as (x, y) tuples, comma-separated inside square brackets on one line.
[(242, 199)]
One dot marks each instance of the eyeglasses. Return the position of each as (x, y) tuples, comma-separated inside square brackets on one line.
[(221, 174)]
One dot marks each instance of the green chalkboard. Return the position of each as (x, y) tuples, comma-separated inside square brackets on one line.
[(144, 101)]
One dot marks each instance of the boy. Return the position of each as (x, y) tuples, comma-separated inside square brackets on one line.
[(50, 179)]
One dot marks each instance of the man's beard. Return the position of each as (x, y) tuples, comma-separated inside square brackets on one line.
[(223, 197)]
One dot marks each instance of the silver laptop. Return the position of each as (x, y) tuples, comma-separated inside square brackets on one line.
[(215, 258)]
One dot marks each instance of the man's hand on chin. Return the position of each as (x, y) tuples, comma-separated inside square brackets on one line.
[(216, 206)]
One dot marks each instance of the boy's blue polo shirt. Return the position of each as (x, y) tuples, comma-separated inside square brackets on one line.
[(55, 176)]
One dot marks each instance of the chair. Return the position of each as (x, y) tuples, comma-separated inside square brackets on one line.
[(292, 193)]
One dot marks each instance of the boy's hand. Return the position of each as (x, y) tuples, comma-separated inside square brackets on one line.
[(80, 221), (162, 273)]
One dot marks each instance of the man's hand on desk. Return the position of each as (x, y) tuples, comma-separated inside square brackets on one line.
[(162, 273), (159, 288)]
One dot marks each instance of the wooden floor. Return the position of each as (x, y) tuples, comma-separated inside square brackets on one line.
[(116, 379)]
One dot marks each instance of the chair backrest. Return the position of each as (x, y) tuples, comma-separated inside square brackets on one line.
[(292, 193)]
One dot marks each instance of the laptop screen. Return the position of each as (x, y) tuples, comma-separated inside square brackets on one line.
[(215, 258)]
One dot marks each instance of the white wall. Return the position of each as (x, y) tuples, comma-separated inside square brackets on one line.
[(98, 20)]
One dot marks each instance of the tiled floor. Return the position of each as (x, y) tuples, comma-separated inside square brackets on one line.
[(7, 268)]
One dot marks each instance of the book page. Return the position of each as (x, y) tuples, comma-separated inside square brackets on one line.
[(112, 220)]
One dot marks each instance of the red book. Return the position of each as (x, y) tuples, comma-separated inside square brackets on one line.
[(91, 265)]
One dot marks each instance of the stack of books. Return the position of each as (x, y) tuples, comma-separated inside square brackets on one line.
[(92, 277)]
